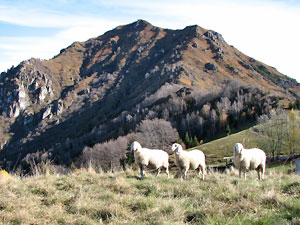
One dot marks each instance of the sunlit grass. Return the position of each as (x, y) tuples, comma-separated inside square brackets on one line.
[(86, 197), (216, 150)]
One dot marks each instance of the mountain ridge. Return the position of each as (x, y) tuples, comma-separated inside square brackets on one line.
[(106, 78)]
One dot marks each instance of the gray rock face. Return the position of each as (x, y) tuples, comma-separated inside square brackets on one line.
[(211, 66), (59, 107), (218, 56), (25, 89), (14, 110), (47, 112), (214, 36), (23, 98)]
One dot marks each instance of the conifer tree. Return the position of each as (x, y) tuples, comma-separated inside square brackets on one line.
[(195, 142), (187, 140)]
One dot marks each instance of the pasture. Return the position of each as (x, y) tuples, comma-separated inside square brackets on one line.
[(87, 197)]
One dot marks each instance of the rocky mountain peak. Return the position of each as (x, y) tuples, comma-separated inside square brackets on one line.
[(120, 77), (140, 23), (214, 36)]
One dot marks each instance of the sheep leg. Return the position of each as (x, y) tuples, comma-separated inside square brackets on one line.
[(198, 171), (180, 170), (203, 171), (185, 172), (258, 173), (261, 172), (158, 171), (240, 172), (142, 172), (167, 171), (263, 168)]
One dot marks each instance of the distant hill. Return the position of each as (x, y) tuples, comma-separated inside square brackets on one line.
[(101, 89)]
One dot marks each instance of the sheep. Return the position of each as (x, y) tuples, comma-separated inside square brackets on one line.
[(186, 160), (154, 157), (249, 159)]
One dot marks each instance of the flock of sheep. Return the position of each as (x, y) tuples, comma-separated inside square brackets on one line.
[(244, 159)]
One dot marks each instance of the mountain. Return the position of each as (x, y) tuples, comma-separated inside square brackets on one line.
[(100, 89)]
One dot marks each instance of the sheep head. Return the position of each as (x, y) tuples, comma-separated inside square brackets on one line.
[(177, 148), (135, 146), (238, 148)]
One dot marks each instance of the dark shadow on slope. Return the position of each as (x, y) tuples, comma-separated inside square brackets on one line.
[(127, 91)]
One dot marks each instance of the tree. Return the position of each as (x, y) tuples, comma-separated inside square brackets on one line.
[(213, 118), (297, 103), (293, 130), (273, 134), (228, 130), (106, 156), (279, 132), (223, 119), (195, 142), (187, 140), (156, 133)]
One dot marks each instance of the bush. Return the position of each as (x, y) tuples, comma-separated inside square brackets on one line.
[(106, 156)]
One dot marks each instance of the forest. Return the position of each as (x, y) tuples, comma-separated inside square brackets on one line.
[(173, 113)]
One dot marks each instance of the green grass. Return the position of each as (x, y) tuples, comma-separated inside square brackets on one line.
[(120, 198), (216, 150)]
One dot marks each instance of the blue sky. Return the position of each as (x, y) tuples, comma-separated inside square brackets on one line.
[(267, 30)]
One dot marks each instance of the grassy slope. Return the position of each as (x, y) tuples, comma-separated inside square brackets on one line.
[(120, 198), (223, 147), (216, 150)]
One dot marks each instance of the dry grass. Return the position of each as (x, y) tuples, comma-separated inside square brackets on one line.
[(86, 197)]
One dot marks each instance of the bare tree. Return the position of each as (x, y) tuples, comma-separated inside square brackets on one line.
[(280, 130), (273, 135), (293, 132), (156, 133), (106, 156), (223, 119), (213, 118)]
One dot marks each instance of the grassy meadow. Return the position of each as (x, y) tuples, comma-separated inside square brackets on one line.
[(87, 197), (216, 150)]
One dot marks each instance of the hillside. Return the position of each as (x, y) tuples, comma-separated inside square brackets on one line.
[(216, 150), (103, 88), (120, 198)]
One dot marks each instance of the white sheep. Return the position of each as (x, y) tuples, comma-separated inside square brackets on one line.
[(150, 157), (249, 159), (186, 160)]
